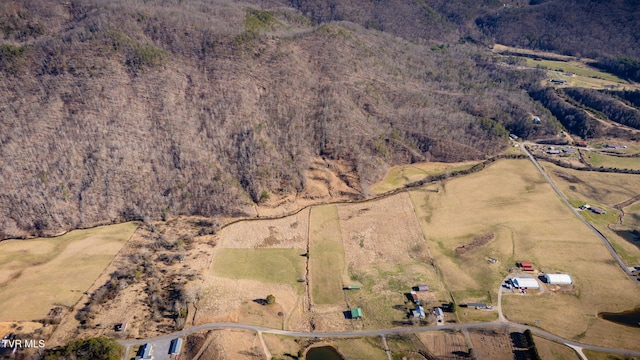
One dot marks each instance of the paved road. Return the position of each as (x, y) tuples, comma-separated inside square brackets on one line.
[(380, 332), (566, 201)]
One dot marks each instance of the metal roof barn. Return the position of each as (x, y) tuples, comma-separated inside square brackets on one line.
[(527, 283), (561, 279)]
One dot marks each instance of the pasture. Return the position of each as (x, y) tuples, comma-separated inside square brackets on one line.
[(605, 190), (326, 256), (510, 199), (576, 68), (38, 274), (399, 176), (597, 160), (281, 266)]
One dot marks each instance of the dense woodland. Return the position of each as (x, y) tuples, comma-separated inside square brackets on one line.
[(113, 110)]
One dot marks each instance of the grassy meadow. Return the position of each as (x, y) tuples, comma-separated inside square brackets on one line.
[(511, 199), (399, 176), (570, 67), (39, 274), (326, 256), (597, 160), (282, 266)]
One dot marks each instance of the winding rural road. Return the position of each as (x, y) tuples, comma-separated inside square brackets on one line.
[(381, 332), (606, 242)]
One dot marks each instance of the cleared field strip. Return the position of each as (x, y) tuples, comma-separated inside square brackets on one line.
[(399, 176), (581, 70), (512, 200), (326, 256), (596, 160), (282, 266), (36, 275)]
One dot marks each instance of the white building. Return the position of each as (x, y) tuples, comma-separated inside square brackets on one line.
[(561, 279), (526, 283)]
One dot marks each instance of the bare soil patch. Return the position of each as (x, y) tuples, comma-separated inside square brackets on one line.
[(445, 345), (490, 344)]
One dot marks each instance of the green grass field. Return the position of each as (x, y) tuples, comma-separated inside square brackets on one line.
[(399, 176), (572, 68), (597, 160), (326, 256), (512, 200), (282, 266), (37, 274)]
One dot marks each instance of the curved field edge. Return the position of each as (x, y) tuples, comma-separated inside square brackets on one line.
[(41, 273)]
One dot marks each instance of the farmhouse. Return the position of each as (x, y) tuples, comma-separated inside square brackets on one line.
[(525, 283), (419, 312), (560, 279), (439, 313), (598, 210)]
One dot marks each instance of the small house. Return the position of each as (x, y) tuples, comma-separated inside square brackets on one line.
[(582, 143), (536, 120), (419, 312), (553, 152), (439, 313), (477, 306), (513, 136), (356, 313)]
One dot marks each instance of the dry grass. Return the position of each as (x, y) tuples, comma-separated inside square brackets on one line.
[(597, 160), (552, 350), (495, 345), (512, 199), (399, 176), (445, 345), (604, 190), (597, 355), (231, 345), (40, 273), (368, 348), (326, 256), (282, 266), (280, 345)]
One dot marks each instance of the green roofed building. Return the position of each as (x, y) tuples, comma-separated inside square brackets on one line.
[(356, 313)]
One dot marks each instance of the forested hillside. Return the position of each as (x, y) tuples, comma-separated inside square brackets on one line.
[(113, 110)]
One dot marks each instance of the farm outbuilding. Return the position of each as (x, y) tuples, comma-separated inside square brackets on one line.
[(176, 346), (423, 287), (356, 313), (526, 283), (560, 279)]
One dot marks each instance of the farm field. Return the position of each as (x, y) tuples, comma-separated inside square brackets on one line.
[(605, 190), (597, 159), (597, 355), (399, 176), (386, 254), (491, 344), (326, 256), (576, 68), (552, 350), (284, 266), (445, 345), (511, 200), (37, 274)]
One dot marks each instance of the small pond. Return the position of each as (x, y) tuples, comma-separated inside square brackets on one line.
[(323, 353), (629, 318)]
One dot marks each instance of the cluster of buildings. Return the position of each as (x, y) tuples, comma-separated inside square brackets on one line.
[(146, 351)]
